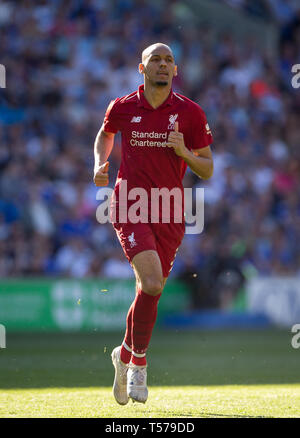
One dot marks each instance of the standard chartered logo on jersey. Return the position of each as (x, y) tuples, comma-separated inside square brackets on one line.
[(165, 205), (152, 139)]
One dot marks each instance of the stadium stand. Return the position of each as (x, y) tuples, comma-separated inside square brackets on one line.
[(65, 60)]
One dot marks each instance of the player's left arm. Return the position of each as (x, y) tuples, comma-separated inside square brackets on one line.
[(200, 161)]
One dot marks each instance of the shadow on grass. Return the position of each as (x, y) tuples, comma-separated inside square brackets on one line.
[(212, 415), (175, 358)]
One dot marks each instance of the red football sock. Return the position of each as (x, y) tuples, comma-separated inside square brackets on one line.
[(143, 319), (125, 354)]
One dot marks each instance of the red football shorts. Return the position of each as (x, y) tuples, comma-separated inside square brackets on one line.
[(163, 238)]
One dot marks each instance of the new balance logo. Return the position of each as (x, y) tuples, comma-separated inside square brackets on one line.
[(136, 119)]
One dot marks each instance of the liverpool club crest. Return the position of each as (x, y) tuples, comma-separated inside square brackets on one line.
[(172, 120)]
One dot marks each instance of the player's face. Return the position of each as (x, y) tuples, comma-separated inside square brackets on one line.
[(159, 67)]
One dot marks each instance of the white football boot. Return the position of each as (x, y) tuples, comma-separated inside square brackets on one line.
[(137, 383), (120, 382)]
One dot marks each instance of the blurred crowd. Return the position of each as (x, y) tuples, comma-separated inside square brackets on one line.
[(65, 61), (280, 11)]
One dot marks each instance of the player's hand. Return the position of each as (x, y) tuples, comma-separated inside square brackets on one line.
[(101, 175), (176, 141)]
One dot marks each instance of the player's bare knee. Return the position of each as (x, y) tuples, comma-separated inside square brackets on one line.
[(152, 286)]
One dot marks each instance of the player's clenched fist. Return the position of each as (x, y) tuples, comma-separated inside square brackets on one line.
[(176, 141), (101, 175)]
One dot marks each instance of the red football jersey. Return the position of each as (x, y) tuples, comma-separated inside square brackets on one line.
[(146, 160)]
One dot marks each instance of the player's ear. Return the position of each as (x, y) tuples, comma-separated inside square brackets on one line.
[(141, 68), (175, 70)]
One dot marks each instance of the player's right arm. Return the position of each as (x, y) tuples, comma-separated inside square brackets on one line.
[(102, 148)]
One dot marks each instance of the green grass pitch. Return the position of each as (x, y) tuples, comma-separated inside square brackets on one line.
[(216, 374)]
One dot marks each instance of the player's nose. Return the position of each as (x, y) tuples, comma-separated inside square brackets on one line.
[(163, 62)]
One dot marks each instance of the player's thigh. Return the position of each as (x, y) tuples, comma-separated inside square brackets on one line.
[(137, 279), (148, 268)]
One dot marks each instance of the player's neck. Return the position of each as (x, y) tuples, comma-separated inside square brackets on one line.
[(156, 95)]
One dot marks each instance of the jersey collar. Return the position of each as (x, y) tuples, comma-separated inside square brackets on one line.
[(143, 102)]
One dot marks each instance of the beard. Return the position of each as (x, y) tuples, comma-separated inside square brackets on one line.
[(161, 83)]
